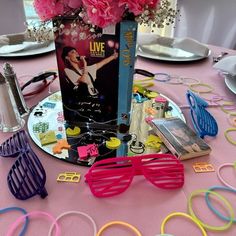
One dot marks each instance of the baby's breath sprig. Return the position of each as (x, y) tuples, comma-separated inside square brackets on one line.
[(39, 31), (165, 14)]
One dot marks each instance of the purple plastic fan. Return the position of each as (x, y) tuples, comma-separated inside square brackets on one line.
[(14, 145), (27, 176)]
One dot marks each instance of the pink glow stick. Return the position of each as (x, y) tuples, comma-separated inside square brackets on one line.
[(14, 225)]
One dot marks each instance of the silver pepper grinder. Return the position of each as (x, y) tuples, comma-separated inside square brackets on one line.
[(11, 78), (10, 119)]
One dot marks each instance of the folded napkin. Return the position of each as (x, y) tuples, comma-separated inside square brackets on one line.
[(227, 64), (186, 44), (4, 40), (13, 39)]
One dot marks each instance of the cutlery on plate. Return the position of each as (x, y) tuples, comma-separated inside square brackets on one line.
[(219, 57)]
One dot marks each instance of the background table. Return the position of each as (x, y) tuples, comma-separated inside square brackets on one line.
[(142, 204)]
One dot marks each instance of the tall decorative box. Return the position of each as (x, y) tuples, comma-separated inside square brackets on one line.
[(96, 74)]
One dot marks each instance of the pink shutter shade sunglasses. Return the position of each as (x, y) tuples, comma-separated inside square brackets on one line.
[(113, 176)]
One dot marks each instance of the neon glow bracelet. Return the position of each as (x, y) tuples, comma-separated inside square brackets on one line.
[(214, 209), (207, 86), (175, 79), (24, 228), (229, 139), (216, 97), (161, 77), (143, 80), (136, 231), (224, 98), (182, 215), (146, 82), (232, 118), (76, 213), (220, 177), (143, 83), (213, 97), (33, 213), (185, 79), (224, 200), (227, 107)]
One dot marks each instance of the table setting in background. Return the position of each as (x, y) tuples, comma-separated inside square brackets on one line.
[(171, 49), (227, 69), (26, 49), (165, 168), (35, 40)]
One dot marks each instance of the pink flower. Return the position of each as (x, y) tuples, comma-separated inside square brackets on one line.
[(74, 4), (137, 7), (103, 12), (152, 3), (47, 9)]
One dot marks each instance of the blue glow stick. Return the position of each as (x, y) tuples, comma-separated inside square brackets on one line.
[(7, 209), (214, 209)]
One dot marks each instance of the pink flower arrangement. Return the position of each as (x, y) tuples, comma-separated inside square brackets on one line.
[(102, 13)]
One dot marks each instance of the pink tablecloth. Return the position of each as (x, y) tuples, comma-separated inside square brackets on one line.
[(142, 205)]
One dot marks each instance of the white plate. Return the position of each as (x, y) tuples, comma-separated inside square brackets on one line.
[(167, 54), (230, 83), (26, 49)]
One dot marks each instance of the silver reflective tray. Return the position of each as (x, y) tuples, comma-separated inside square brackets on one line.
[(48, 115)]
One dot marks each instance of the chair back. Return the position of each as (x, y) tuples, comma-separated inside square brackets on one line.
[(208, 21), (12, 15)]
